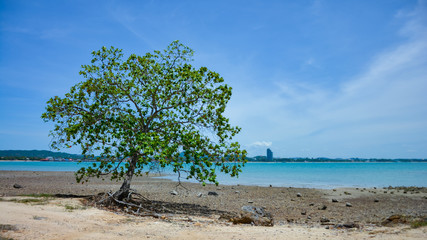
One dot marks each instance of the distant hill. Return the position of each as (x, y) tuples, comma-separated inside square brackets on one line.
[(35, 154)]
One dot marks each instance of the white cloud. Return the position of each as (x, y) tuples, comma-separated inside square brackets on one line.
[(261, 144)]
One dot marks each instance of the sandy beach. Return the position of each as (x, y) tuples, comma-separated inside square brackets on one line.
[(298, 213)]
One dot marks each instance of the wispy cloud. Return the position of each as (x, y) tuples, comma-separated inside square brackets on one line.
[(379, 107)]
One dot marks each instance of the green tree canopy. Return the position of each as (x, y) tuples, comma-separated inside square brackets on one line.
[(152, 108)]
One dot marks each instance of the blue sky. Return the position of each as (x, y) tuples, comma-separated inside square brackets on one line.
[(310, 78)]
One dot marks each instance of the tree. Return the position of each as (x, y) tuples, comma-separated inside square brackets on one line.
[(155, 108)]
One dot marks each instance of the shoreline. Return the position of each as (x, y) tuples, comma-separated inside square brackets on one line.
[(300, 209), (369, 205)]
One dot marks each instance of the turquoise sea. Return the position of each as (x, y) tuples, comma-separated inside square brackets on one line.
[(310, 175)]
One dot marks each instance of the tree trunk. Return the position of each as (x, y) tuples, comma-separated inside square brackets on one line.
[(123, 192)]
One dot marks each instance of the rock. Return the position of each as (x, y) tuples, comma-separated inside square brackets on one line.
[(200, 194), (376, 200), (322, 207), (299, 195), (303, 212), (254, 215), (311, 204), (308, 217), (17, 186), (334, 200), (395, 219), (324, 220), (250, 201), (174, 192), (271, 185), (212, 193), (347, 204), (350, 225), (236, 191)]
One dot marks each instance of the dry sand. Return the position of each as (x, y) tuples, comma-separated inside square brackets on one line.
[(68, 219)]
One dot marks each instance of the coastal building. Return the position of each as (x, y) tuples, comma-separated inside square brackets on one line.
[(269, 155)]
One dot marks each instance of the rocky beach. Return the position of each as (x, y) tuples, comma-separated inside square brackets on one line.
[(355, 210)]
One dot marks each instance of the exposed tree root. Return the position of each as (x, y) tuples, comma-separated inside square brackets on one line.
[(138, 205)]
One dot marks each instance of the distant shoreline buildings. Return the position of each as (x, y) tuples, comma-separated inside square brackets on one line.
[(269, 155)]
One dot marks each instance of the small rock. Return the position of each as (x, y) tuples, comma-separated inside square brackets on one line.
[(299, 195), (17, 186), (350, 225), (199, 195), (311, 204), (334, 200), (174, 192), (236, 191), (271, 185), (334, 190), (308, 217), (303, 212), (212, 193), (376, 200), (323, 207), (324, 220), (347, 204), (250, 201)]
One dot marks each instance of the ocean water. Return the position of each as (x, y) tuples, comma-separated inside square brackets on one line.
[(309, 175)]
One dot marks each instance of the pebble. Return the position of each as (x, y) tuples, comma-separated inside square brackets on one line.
[(323, 207), (199, 195), (348, 204), (213, 193), (17, 186), (174, 192), (299, 195), (334, 200), (376, 200)]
